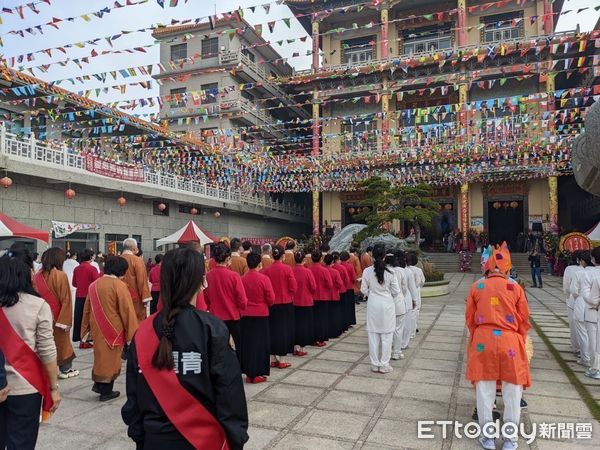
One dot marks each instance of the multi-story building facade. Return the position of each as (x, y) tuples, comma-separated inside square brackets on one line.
[(465, 80), (218, 83)]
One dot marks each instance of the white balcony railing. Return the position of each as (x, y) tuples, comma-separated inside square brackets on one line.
[(47, 156)]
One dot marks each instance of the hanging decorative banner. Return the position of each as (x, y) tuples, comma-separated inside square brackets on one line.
[(62, 229), (114, 170), (574, 241)]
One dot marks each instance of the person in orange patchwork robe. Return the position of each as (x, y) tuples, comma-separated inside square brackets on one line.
[(136, 278), (497, 315), (288, 256), (355, 262), (109, 320), (238, 262), (53, 286), (266, 252)]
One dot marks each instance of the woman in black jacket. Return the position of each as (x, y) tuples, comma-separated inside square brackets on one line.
[(184, 386)]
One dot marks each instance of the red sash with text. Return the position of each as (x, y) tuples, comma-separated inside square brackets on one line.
[(112, 337), (199, 427), (24, 360), (40, 285)]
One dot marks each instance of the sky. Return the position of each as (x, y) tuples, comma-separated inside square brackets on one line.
[(132, 18)]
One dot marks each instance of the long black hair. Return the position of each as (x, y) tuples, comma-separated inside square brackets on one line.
[(53, 258), (379, 265), (400, 258), (19, 251), (15, 277), (181, 275)]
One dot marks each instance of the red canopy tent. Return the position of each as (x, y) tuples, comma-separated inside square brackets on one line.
[(189, 233), (11, 228)]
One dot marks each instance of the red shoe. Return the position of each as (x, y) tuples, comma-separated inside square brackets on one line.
[(259, 380), (85, 345), (275, 364), (321, 344), (299, 353), (284, 365), (248, 380)]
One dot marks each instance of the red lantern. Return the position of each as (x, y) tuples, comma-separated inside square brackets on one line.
[(193, 211), (70, 194), (6, 182), (217, 214), (121, 201), (162, 207), (351, 210)]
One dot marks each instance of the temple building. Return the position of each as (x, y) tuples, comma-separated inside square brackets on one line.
[(479, 99)]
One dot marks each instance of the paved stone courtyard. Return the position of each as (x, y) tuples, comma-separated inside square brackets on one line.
[(331, 399)]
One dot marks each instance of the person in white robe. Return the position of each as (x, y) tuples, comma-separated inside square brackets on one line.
[(401, 310), (592, 300), (580, 287), (412, 260), (381, 286), (568, 276)]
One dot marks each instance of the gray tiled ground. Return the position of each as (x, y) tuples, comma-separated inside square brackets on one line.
[(331, 400)]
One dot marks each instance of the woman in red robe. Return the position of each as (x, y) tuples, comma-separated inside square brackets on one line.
[(303, 305)]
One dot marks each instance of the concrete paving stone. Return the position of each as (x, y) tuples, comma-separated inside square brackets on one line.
[(423, 391), (430, 345), (272, 415), (466, 395), (111, 424), (362, 384), (292, 395), (323, 365), (117, 444), (552, 389), (353, 340), (51, 438), (351, 347), (415, 409), (259, 437), (539, 363), (435, 354), (355, 402), (428, 377), (399, 433), (434, 364), (557, 406), (70, 408), (297, 441), (334, 355), (311, 378), (333, 424), (252, 390), (364, 370)]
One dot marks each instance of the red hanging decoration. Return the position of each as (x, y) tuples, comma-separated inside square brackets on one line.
[(6, 182), (70, 194), (217, 214), (162, 207), (193, 211), (122, 201)]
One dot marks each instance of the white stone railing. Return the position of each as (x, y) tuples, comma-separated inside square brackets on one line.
[(38, 153)]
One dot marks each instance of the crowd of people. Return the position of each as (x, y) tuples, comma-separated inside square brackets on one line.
[(581, 285), (208, 322)]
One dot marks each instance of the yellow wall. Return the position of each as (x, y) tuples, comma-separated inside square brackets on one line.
[(332, 207), (539, 198)]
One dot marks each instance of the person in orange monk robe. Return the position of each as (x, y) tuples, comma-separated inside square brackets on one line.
[(136, 278), (497, 316), (238, 262), (109, 320), (53, 286)]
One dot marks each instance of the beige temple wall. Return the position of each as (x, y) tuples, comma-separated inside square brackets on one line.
[(332, 207)]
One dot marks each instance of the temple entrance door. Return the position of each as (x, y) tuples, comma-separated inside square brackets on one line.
[(505, 221)]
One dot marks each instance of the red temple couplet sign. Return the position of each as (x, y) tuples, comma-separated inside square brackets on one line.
[(575, 241)]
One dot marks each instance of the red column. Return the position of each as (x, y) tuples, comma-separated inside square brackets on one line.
[(316, 217), (461, 34), (548, 18)]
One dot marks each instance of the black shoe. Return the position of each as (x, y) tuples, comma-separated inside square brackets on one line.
[(417, 330), (523, 403), (95, 388), (495, 415), (540, 286), (111, 396)]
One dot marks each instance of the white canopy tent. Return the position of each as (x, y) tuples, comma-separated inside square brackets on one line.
[(594, 233), (189, 233)]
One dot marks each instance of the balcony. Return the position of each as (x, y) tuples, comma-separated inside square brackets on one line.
[(36, 158), (254, 115)]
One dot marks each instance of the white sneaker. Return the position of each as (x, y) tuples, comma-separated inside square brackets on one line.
[(509, 445), (374, 369), (487, 443), (71, 373), (397, 356), (583, 363), (412, 335), (386, 369)]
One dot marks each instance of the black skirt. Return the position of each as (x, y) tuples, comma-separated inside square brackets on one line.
[(336, 318), (349, 312), (257, 341), (281, 324), (321, 320), (235, 331), (305, 326)]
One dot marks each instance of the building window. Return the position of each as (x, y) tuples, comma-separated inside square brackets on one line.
[(77, 242), (138, 238), (178, 98), (210, 48), (249, 54), (359, 50), (427, 39), (114, 243), (359, 136), (156, 210), (502, 27), (178, 51), (210, 92)]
